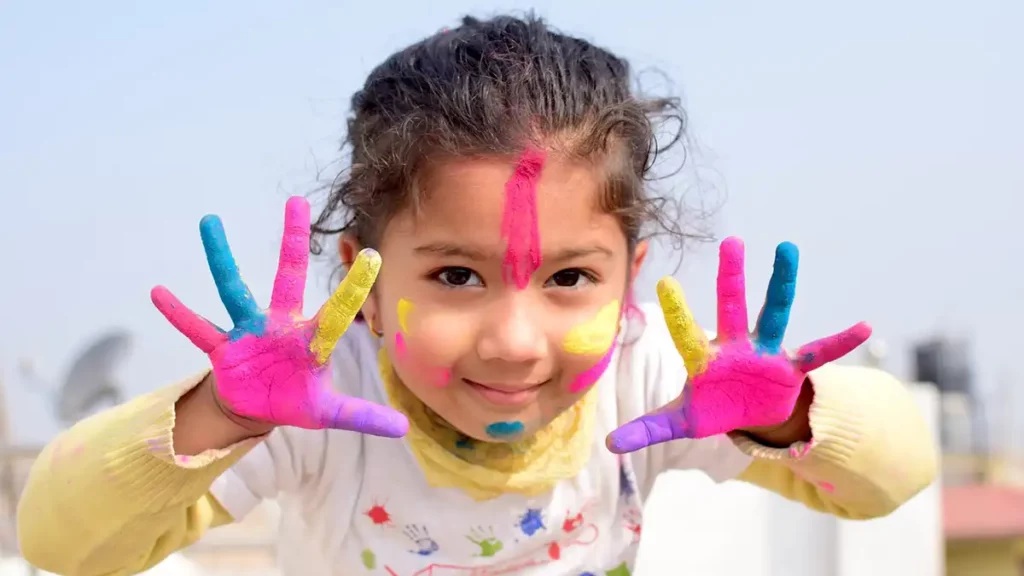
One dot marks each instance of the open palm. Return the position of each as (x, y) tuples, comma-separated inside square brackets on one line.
[(740, 380), (273, 366)]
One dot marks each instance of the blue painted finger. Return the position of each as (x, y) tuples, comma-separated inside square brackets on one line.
[(771, 328), (235, 295)]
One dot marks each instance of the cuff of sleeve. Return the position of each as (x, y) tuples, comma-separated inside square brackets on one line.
[(139, 450), (837, 429), (871, 450)]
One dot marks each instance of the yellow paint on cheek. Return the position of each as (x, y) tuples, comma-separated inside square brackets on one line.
[(404, 308), (595, 336)]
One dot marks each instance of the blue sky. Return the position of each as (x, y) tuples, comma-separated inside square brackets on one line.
[(884, 139)]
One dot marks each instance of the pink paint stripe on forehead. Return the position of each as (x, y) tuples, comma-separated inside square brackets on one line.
[(519, 226)]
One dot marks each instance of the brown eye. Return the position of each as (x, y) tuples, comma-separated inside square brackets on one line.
[(456, 277), (570, 278)]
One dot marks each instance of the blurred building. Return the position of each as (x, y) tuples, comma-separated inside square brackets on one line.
[(970, 454), (982, 496), (946, 364), (984, 530)]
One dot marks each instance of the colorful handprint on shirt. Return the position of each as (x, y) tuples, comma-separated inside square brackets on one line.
[(273, 366), (420, 537), (485, 539), (740, 380)]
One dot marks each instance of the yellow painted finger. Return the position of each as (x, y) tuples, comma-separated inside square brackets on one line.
[(339, 311), (595, 336), (688, 337)]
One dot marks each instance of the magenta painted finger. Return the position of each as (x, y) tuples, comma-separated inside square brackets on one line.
[(290, 283), (732, 291), (203, 333), (358, 415), (820, 352)]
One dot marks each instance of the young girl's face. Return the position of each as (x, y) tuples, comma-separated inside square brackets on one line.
[(496, 361)]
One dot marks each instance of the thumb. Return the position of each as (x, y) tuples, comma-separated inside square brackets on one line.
[(341, 412), (669, 422)]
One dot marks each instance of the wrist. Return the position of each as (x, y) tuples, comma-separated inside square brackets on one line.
[(201, 423), (797, 428), (247, 427)]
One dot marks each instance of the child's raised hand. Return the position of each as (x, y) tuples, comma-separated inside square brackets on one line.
[(274, 365), (739, 381)]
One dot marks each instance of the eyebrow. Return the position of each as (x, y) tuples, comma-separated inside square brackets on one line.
[(478, 255)]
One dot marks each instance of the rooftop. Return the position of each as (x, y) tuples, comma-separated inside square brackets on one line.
[(982, 511)]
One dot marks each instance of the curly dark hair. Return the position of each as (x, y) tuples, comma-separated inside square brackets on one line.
[(496, 87)]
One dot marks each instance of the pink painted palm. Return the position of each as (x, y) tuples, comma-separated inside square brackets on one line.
[(274, 365)]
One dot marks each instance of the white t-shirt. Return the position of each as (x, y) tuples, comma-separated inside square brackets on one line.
[(359, 504)]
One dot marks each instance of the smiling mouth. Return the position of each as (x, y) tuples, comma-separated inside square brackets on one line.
[(505, 395)]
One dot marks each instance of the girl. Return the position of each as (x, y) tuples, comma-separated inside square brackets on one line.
[(501, 408)]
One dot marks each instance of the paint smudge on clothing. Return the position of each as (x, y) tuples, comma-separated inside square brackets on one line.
[(532, 521), (379, 515)]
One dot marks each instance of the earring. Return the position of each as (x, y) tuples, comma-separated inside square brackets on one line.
[(377, 333)]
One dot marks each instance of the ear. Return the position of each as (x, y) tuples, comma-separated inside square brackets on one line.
[(348, 249), (639, 254)]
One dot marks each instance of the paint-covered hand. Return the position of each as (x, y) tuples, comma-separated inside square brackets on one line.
[(273, 366), (740, 380)]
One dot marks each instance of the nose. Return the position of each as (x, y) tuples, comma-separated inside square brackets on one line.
[(513, 332)]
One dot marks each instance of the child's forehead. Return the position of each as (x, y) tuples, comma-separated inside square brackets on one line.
[(468, 197)]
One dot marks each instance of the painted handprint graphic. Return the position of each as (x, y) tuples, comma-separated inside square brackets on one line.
[(740, 380), (420, 537), (273, 366)]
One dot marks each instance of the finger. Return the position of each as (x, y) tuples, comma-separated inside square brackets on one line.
[(732, 296), (820, 352), (774, 318), (233, 292), (662, 425), (336, 315), (290, 283), (347, 413), (203, 333), (688, 337)]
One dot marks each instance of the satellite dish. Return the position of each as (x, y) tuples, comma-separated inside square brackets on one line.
[(90, 382)]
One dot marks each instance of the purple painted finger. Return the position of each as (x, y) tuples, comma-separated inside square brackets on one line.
[(358, 415), (667, 423), (290, 282), (197, 329), (732, 291), (820, 352)]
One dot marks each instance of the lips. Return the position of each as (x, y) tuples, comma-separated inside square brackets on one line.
[(505, 394)]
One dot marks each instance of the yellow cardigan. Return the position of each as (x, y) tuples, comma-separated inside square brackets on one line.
[(109, 497)]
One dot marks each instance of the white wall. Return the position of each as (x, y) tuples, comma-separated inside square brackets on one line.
[(694, 527), (173, 565)]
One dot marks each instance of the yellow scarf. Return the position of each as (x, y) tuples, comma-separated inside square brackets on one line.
[(485, 470)]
